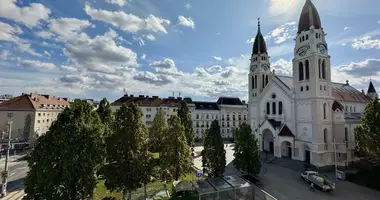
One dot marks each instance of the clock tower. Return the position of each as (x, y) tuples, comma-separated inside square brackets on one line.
[(312, 78), (259, 70)]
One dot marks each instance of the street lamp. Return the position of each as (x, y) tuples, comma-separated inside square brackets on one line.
[(4, 174)]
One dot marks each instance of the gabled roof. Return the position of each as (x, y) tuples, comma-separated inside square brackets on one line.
[(371, 88), (229, 101), (201, 105), (286, 132), (32, 102)]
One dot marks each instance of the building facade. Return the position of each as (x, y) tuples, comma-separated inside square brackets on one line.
[(230, 112), (306, 117), (42, 110)]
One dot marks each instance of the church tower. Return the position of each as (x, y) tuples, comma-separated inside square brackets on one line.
[(259, 74), (371, 92), (312, 79)]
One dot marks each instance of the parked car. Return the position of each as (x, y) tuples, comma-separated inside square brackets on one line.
[(319, 182)]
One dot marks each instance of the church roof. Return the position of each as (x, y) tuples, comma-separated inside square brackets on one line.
[(371, 88), (229, 101), (202, 105), (259, 45), (309, 16), (340, 91), (285, 131), (275, 124), (336, 105)]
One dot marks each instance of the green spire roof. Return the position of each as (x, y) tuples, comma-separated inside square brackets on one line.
[(259, 45)]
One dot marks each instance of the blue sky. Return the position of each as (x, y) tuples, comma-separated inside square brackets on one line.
[(91, 49)]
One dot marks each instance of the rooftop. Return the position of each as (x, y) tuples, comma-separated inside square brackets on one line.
[(34, 101), (229, 101), (143, 100), (201, 105)]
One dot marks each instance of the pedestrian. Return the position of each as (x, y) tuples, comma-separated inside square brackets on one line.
[(311, 188)]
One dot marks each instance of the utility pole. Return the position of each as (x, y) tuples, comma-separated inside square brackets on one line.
[(5, 173), (336, 165)]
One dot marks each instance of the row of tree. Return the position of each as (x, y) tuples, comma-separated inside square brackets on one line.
[(83, 145)]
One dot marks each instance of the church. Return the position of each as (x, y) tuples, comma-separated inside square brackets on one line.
[(306, 117)]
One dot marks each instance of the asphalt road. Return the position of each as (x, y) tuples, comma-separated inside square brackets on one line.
[(17, 173)]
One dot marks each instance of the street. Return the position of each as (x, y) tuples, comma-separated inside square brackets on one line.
[(286, 184), (17, 173)]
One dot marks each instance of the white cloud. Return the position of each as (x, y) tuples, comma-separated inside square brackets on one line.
[(120, 3), (283, 67), (285, 10), (252, 40), (44, 34), (188, 22), (166, 63), (69, 68), (150, 37), (215, 69), (217, 58), (346, 28), (35, 64), (188, 6), (128, 22), (366, 42), (139, 40), (47, 54), (283, 33), (4, 55), (143, 57), (30, 15), (10, 34), (68, 28)]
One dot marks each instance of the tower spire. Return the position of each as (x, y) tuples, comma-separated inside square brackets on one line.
[(259, 43)]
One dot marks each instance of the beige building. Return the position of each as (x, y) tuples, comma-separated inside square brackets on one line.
[(43, 110)]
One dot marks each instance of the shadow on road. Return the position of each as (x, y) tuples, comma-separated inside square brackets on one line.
[(15, 185)]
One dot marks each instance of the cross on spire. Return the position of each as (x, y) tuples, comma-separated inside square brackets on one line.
[(258, 19)]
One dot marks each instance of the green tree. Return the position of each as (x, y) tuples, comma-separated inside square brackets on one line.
[(64, 161), (367, 134), (105, 113), (175, 155), (128, 157), (246, 151), (185, 118), (27, 127), (158, 131), (213, 153)]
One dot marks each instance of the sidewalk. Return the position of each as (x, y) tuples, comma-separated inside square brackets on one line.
[(16, 193)]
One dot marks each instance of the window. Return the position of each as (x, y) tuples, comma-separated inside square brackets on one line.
[(354, 109), (197, 124), (316, 35), (268, 108), (197, 116), (263, 81), (274, 108), (307, 88), (38, 121), (266, 80), (206, 116), (320, 87), (346, 134), (233, 117), (148, 116), (324, 111), (44, 114), (300, 39), (346, 109), (350, 108), (325, 135), (319, 35), (307, 73), (39, 114), (300, 71), (324, 87), (323, 70), (233, 123), (307, 36), (228, 124), (222, 130), (280, 108), (253, 82), (303, 38), (319, 68), (301, 88)]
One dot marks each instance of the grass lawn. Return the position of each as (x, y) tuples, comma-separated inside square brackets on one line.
[(101, 191)]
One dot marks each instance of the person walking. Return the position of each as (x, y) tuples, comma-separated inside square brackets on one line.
[(311, 188)]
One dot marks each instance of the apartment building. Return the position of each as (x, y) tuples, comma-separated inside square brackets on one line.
[(42, 110)]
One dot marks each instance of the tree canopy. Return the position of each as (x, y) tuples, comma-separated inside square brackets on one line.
[(64, 161), (185, 119), (105, 113), (367, 134), (158, 131), (246, 150), (128, 157), (213, 154), (175, 155)]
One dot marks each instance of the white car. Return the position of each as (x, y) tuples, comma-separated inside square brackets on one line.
[(306, 174)]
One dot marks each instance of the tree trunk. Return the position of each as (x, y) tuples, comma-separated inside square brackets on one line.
[(145, 192)]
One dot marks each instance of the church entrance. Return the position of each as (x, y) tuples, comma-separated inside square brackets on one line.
[(307, 154), (268, 141), (286, 149)]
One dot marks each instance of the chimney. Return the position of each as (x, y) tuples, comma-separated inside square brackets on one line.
[(363, 91), (347, 83)]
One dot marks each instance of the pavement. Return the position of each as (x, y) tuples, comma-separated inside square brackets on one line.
[(284, 182), (17, 173)]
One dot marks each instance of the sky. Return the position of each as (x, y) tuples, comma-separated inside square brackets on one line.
[(192, 48)]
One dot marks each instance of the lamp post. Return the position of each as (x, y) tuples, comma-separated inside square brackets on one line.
[(5, 173)]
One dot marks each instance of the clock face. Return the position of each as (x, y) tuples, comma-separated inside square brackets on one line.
[(265, 67), (322, 48), (303, 50), (253, 67)]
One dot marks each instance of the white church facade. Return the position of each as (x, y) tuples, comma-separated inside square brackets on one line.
[(306, 117)]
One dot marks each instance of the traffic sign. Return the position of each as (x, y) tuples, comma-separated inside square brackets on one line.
[(199, 173), (4, 174)]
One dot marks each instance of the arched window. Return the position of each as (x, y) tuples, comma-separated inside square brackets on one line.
[(266, 80), (354, 109), (325, 136), (307, 72), (300, 39), (346, 134), (274, 108), (303, 38), (280, 108), (268, 108), (307, 88), (316, 35), (323, 69), (324, 111), (324, 88), (319, 68), (263, 81), (350, 108), (320, 87), (301, 88), (307, 36), (319, 35), (300, 71), (253, 82)]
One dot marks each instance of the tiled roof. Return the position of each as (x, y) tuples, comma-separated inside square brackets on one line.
[(200, 105), (340, 91), (229, 101), (275, 124), (286, 132), (153, 101), (33, 101)]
